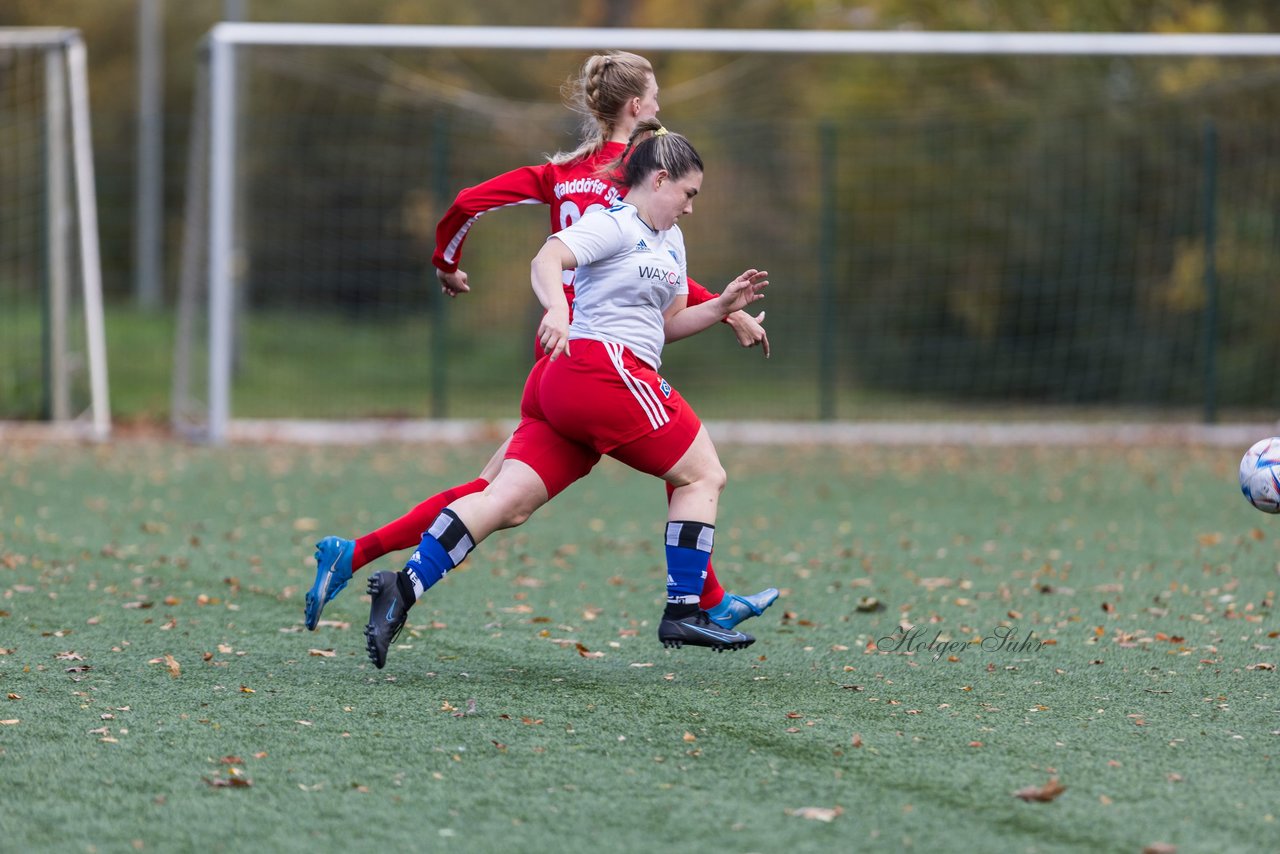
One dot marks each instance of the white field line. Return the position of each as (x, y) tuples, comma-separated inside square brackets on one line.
[(786, 432), (470, 431)]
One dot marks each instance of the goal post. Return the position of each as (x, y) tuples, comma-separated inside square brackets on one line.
[(53, 361), (229, 156)]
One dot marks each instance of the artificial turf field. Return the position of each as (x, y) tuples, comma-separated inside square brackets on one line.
[(158, 691)]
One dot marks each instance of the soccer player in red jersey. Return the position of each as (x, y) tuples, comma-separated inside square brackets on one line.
[(599, 392), (614, 91)]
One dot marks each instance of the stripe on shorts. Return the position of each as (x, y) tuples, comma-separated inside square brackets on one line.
[(642, 391)]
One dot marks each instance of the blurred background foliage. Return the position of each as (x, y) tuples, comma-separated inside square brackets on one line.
[(110, 31)]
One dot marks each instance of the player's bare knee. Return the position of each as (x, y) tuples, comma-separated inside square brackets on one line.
[(712, 476), (520, 511), (720, 478)]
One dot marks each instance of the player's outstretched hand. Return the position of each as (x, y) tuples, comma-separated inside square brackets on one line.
[(749, 330), (744, 290), (452, 284), (553, 332)]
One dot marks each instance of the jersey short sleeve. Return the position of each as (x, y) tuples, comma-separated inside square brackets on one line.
[(597, 235)]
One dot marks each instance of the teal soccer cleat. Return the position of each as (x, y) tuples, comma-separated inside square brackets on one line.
[(333, 571), (733, 609)]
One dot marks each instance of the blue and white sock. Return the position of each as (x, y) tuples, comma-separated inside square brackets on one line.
[(444, 545), (688, 553)]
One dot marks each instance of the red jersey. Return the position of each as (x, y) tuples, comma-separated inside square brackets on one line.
[(570, 189)]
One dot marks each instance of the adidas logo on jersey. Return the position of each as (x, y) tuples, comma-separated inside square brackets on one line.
[(642, 246)]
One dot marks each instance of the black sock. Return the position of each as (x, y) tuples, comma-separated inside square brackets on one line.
[(405, 584), (679, 610)]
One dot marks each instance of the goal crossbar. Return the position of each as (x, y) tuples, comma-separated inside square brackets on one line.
[(751, 41)]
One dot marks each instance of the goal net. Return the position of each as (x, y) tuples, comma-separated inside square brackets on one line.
[(957, 226), (52, 343)]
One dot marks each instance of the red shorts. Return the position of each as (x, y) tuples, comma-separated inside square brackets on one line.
[(599, 400)]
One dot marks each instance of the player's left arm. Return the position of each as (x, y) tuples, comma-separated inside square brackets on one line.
[(748, 330), (682, 319)]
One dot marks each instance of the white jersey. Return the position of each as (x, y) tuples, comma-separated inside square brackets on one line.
[(628, 275)]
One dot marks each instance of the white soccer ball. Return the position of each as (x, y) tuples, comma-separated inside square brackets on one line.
[(1260, 475)]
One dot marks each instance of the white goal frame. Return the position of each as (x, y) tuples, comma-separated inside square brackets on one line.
[(67, 123), (224, 40)]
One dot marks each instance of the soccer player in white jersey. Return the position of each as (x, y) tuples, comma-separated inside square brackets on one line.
[(599, 392), (613, 91)]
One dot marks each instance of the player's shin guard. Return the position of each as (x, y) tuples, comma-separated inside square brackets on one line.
[(688, 551), (444, 545)]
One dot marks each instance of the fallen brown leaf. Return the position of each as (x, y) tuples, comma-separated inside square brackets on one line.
[(1043, 794), (229, 782)]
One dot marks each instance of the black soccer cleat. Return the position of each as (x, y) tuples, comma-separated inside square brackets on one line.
[(698, 629), (387, 614)]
